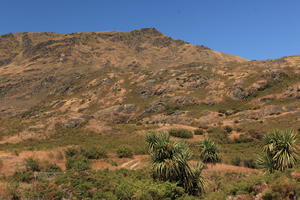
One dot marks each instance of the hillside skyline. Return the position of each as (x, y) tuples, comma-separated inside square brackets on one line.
[(252, 30)]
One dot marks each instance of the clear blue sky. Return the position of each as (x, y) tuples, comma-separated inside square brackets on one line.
[(253, 29)]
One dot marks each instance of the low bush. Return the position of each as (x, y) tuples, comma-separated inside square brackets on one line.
[(203, 127), (124, 152), (222, 111), (52, 167), (242, 139), (113, 163), (59, 156), (236, 161), (269, 195), (255, 134), (71, 152), (171, 110), (198, 132), (78, 163), (181, 133), (220, 136), (210, 130), (112, 185), (94, 153), (13, 192), (23, 176), (238, 129), (50, 155), (240, 187), (87, 152), (228, 129), (32, 165), (250, 163)]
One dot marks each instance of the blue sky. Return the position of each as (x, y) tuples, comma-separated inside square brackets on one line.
[(253, 29)]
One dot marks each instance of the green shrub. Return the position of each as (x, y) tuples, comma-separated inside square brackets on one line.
[(210, 130), (238, 129), (94, 153), (52, 167), (198, 132), (284, 187), (87, 152), (219, 136), (13, 191), (236, 161), (203, 127), (242, 139), (32, 165), (250, 163), (124, 152), (171, 110), (50, 155), (181, 133), (228, 129), (256, 134), (71, 152), (241, 187), (141, 150), (23, 176), (113, 163), (59, 156), (78, 163), (1, 164), (269, 195), (112, 185)]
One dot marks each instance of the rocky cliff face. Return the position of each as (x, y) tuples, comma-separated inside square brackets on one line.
[(140, 77)]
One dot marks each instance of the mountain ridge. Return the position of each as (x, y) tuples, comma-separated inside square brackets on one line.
[(101, 79)]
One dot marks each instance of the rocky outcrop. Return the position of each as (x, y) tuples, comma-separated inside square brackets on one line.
[(239, 91), (293, 92), (117, 114)]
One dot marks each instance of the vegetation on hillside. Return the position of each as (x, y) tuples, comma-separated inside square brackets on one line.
[(170, 163), (172, 175), (280, 151)]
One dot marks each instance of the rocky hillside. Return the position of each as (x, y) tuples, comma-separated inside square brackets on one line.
[(97, 80)]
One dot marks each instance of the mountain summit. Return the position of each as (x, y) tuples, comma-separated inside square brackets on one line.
[(140, 77)]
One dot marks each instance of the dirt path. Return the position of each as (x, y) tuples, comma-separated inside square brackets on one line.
[(137, 162), (221, 167)]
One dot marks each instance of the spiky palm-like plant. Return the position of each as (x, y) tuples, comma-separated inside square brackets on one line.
[(209, 151), (266, 162), (280, 151), (170, 163)]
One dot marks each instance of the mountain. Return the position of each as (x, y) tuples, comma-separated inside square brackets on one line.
[(98, 80)]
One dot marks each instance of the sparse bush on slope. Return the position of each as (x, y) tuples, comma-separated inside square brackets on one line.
[(124, 152), (181, 133), (198, 132)]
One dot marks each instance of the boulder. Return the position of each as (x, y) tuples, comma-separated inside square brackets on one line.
[(156, 107), (117, 114), (271, 110)]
